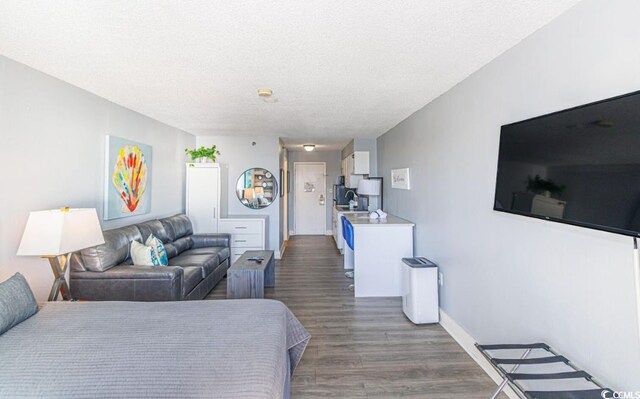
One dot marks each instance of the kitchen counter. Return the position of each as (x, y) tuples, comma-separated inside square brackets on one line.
[(378, 248), (390, 220), (338, 212), (345, 209)]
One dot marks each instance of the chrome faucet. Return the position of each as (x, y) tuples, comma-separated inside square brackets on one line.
[(352, 203)]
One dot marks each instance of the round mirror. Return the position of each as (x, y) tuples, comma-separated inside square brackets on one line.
[(257, 188)]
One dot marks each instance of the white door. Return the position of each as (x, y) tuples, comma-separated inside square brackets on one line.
[(310, 198)]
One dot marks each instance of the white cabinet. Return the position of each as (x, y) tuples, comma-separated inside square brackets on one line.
[(203, 196), (247, 233), (360, 163), (354, 167)]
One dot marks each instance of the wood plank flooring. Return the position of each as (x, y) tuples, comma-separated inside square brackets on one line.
[(365, 347)]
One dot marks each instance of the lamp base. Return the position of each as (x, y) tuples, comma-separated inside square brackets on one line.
[(60, 286)]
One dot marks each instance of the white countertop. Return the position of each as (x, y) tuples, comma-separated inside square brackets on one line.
[(390, 220), (345, 209), (246, 217)]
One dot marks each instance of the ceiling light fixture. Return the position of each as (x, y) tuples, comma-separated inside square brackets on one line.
[(309, 147), (265, 92)]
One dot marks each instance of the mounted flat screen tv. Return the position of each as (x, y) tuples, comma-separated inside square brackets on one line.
[(579, 166)]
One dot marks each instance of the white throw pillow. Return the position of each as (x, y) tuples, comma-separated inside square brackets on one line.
[(143, 255)]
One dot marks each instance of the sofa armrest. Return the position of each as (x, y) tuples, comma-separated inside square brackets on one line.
[(211, 240), (128, 283)]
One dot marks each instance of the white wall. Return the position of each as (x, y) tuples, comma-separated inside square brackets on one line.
[(53, 137), (237, 155), (510, 278)]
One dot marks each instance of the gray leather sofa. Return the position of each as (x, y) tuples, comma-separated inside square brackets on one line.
[(197, 262)]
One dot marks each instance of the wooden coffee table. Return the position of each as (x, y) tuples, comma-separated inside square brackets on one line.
[(247, 279)]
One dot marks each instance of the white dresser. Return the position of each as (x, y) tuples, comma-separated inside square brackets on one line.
[(247, 233)]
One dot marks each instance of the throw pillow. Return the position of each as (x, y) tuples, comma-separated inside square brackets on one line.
[(141, 255), (155, 243), (17, 302)]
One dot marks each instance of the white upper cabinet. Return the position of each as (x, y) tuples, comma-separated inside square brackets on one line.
[(360, 163), (354, 166)]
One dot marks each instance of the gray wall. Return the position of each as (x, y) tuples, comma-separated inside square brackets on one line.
[(334, 162), (237, 155), (509, 278), (53, 145)]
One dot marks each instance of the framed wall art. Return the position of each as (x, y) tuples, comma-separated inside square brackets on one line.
[(400, 179), (127, 178)]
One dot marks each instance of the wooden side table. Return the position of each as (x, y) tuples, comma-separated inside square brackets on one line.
[(247, 279)]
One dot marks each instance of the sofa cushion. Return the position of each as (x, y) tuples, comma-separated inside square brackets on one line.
[(192, 277), (177, 226), (207, 263), (17, 302), (114, 251), (222, 252), (171, 250), (182, 244), (154, 227)]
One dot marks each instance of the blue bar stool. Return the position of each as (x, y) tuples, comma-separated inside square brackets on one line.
[(347, 234)]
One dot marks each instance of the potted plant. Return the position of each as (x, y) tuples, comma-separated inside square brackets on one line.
[(203, 153), (545, 187)]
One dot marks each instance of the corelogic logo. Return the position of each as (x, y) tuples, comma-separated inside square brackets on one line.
[(607, 394)]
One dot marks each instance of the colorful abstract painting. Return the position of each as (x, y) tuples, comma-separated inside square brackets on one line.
[(128, 178)]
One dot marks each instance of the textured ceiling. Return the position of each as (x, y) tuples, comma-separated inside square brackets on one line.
[(338, 69)]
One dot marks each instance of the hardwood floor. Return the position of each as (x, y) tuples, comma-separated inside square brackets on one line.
[(365, 347)]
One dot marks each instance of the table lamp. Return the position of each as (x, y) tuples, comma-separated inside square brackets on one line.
[(370, 187), (249, 194), (54, 235)]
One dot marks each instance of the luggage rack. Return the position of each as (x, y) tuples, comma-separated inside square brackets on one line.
[(549, 376)]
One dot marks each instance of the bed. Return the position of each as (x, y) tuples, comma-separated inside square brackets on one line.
[(196, 349)]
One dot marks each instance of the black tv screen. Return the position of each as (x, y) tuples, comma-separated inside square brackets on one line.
[(579, 166)]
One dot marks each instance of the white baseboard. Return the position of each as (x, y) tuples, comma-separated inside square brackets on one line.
[(329, 232), (277, 254), (468, 344), (282, 249), (292, 233)]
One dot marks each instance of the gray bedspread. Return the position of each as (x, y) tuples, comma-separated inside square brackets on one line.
[(199, 349)]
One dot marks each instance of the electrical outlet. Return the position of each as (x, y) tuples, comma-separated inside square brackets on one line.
[(440, 279)]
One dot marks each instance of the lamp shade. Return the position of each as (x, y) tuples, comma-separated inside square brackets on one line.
[(369, 187), (60, 231), (248, 194)]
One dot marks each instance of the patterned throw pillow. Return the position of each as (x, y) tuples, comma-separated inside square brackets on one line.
[(155, 243), (143, 255)]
